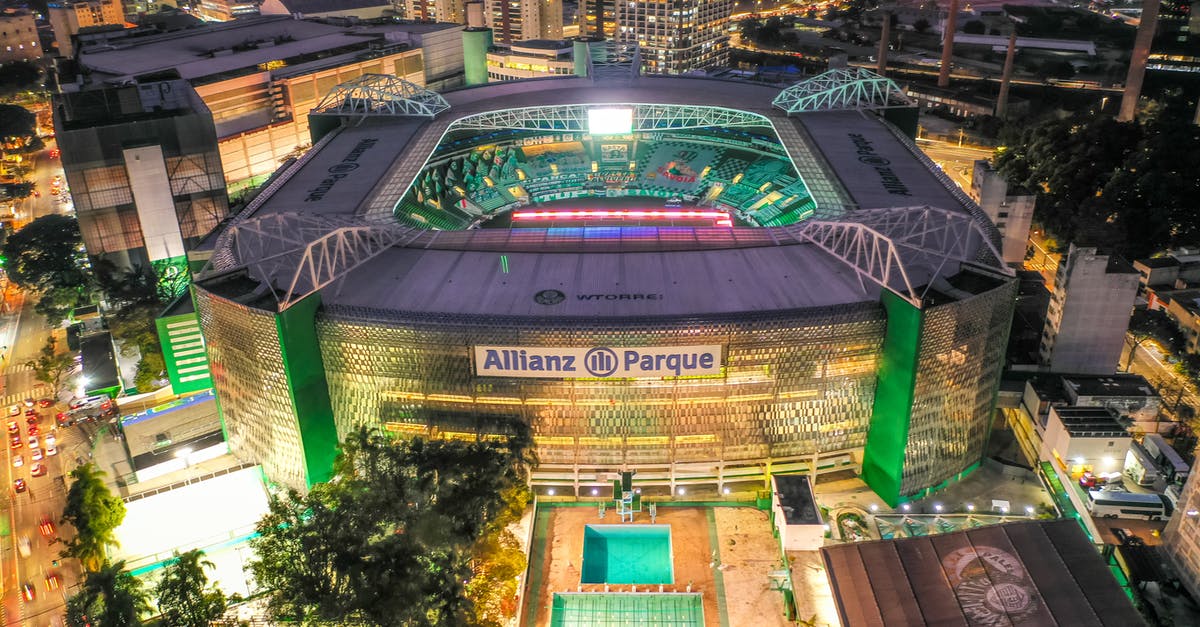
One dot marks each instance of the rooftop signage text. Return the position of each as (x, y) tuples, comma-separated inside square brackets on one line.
[(599, 362), (887, 176), (340, 170)]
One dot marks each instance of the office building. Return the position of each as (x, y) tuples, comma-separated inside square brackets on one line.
[(538, 58), (1181, 538), (449, 11), (1010, 210), (142, 164), (597, 18), (18, 36), (260, 76), (1088, 313), (67, 19)]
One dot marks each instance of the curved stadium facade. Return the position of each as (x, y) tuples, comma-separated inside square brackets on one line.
[(668, 275)]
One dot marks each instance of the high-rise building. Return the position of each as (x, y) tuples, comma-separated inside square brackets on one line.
[(520, 20), (676, 36), (452, 11), (597, 18), (1176, 44), (145, 174), (18, 37), (225, 10), (1181, 538), (67, 19), (1088, 313), (1011, 213)]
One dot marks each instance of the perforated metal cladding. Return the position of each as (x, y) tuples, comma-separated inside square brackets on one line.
[(958, 371), (248, 375), (796, 383)]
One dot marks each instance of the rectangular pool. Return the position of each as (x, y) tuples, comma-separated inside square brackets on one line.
[(627, 554)]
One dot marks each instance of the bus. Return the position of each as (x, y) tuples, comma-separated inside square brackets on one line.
[(1110, 504)]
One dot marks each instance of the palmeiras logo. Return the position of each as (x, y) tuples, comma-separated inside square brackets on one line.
[(600, 361), (549, 297)]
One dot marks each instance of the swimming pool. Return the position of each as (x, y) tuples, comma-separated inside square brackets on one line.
[(627, 554)]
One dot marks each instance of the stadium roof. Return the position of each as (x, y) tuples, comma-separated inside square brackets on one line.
[(329, 218), (1020, 573)]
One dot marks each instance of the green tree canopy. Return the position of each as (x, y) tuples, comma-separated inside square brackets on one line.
[(95, 513), (391, 538), (110, 597), (1125, 186), (16, 121), (47, 254), (51, 366), (19, 76), (185, 597)]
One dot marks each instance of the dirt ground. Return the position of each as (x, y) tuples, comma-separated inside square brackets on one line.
[(748, 553)]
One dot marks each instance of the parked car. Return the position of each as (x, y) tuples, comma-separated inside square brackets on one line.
[(45, 402), (19, 485), (38, 470)]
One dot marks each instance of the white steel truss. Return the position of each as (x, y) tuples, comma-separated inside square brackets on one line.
[(296, 254), (842, 89), (885, 245), (868, 252), (381, 94), (574, 118)]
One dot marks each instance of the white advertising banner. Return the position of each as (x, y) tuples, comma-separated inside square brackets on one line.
[(600, 362)]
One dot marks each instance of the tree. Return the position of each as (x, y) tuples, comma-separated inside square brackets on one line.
[(19, 76), (18, 190), (1151, 323), (16, 121), (185, 597), (51, 366), (47, 256), (394, 538), (921, 25), (974, 27), (95, 513), (110, 597)]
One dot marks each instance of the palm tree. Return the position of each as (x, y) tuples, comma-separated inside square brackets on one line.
[(110, 597), (184, 596), (95, 512)]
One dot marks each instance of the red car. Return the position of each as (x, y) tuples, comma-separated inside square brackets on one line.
[(55, 153), (46, 526), (38, 470), (16, 442), (45, 402), (19, 485), (13, 427)]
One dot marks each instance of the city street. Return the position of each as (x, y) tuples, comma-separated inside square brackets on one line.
[(1151, 364), (42, 174), (24, 333)]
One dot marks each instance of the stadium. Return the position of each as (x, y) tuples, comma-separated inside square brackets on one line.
[(700, 281)]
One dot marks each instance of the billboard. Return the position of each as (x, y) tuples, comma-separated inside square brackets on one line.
[(597, 362)]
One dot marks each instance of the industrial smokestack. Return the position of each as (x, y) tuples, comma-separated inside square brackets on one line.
[(1137, 61), (1006, 77), (884, 42), (948, 44)]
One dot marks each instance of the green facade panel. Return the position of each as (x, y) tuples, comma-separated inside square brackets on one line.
[(184, 353), (887, 434), (305, 370)]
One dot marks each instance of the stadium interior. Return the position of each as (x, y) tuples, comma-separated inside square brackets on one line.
[(476, 180)]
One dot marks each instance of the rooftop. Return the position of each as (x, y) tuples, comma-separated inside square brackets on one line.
[(1108, 385), (796, 499), (1090, 422), (1158, 262), (1019, 573)]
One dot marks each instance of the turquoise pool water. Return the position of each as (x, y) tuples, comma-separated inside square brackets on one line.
[(627, 554)]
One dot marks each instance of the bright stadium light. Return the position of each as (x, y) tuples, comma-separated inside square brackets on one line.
[(610, 121)]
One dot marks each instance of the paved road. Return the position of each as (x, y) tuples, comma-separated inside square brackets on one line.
[(25, 333), (45, 168), (1150, 364)]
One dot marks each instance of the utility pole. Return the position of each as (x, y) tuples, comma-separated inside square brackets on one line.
[(884, 43), (1006, 76), (1137, 61)]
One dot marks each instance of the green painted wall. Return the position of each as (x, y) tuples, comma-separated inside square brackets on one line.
[(475, 47), (887, 435), (184, 353), (305, 372)]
